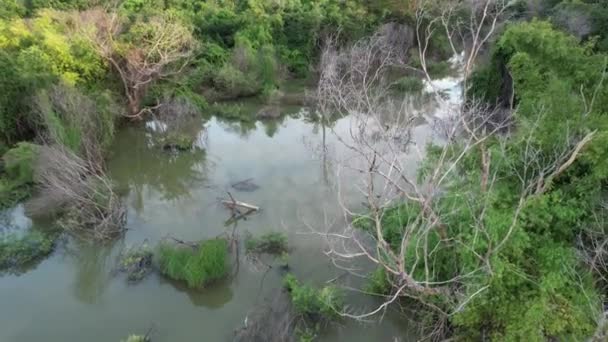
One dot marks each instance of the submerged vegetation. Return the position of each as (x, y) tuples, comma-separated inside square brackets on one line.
[(17, 253), (270, 243), (136, 262)]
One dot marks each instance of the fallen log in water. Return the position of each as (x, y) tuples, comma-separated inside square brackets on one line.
[(236, 207), (233, 204)]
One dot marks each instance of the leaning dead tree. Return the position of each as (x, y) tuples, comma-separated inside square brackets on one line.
[(356, 81), (140, 52), (69, 170), (88, 205)]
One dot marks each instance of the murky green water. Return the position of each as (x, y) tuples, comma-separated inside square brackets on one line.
[(75, 296)]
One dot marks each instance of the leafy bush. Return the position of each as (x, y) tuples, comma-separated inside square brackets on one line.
[(408, 85), (233, 83), (271, 243), (16, 184), (11, 194), (178, 141), (438, 69), (315, 305), (11, 8), (379, 282), (538, 288), (17, 252), (196, 265), (136, 338), (19, 163)]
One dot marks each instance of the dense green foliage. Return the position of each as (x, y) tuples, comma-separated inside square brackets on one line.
[(538, 287), (315, 305), (408, 84), (243, 48), (586, 19), (18, 177), (197, 266)]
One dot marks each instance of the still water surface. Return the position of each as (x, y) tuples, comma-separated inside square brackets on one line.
[(75, 296)]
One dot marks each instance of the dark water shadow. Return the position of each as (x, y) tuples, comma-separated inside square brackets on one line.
[(213, 296)]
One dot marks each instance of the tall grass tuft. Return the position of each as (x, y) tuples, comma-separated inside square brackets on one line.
[(196, 265)]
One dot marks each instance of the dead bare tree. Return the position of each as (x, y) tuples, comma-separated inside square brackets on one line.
[(471, 33), (156, 49), (355, 81), (89, 206), (70, 167)]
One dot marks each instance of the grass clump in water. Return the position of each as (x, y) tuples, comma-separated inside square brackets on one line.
[(17, 252), (197, 265), (270, 243), (179, 141), (315, 305)]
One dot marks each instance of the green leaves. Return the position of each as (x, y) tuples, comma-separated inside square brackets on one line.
[(315, 305)]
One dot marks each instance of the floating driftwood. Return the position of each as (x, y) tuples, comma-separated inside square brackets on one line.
[(238, 204), (235, 205)]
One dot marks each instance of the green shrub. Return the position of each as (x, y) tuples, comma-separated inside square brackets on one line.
[(440, 47), (178, 141), (197, 266), (17, 252), (315, 305), (266, 67), (307, 334), (16, 184), (234, 83), (11, 194), (19, 163), (379, 282), (11, 9), (271, 243), (136, 338), (408, 85), (438, 69)]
